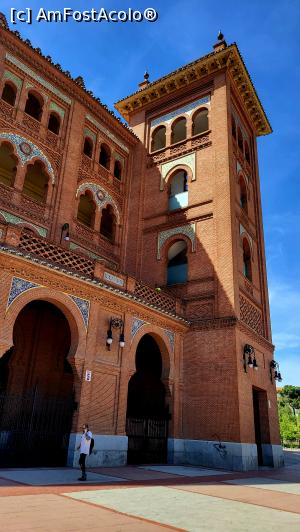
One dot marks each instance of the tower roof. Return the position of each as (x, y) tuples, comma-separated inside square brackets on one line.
[(228, 57)]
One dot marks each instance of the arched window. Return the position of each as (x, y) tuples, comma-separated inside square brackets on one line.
[(178, 198), (108, 223), (200, 121), (177, 263), (247, 259), (9, 93), (88, 147), (233, 127), (54, 123), (178, 130), (34, 106), (240, 138), (86, 209), (158, 138), (247, 152), (104, 158), (36, 182), (8, 165), (118, 170), (243, 195)]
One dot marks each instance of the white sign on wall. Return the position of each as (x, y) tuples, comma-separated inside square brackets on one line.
[(88, 375)]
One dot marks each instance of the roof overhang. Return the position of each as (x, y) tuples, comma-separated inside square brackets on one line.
[(230, 59)]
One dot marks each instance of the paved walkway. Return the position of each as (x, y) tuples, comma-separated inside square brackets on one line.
[(151, 498)]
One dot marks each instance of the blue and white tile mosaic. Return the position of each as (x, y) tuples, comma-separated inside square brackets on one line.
[(187, 230), (16, 220), (101, 197), (136, 326), (17, 287), (171, 336), (26, 151), (35, 76), (185, 109), (84, 308)]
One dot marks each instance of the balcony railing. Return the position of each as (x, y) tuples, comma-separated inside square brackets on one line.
[(55, 254), (155, 297)]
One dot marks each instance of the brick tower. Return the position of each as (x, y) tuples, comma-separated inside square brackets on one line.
[(196, 197), (132, 268)]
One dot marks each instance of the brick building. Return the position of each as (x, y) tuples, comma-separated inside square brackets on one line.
[(133, 280)]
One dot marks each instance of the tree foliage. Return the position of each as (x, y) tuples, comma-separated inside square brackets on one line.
[(289, 413)]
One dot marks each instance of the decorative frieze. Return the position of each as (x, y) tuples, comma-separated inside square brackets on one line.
[(27, 151), (251, 315), (16, 220), (187, 230), (9, 57), (186, 109)]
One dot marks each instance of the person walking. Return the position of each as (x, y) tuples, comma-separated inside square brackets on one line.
[(84, 448)]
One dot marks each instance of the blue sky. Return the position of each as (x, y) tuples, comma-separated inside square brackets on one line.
[(113, 57)]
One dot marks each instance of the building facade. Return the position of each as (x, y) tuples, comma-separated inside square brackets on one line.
[(133, 279)]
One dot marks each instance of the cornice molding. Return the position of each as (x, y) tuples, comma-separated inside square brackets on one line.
[(228, 59)]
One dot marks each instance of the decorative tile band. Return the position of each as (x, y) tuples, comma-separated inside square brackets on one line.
[(187, 230), (243, 231), (187, 160), (11, 218), (119, 158), (107, 133), (88, 133), (100, 195), (15, 79), (171, 337), (189, 108), (38, 78), (84, 308), (26, 151), (59, 110), (17, 287), (136, 326), (85, 251)]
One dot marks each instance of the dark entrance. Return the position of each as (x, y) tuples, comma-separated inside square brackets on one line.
[(36, 390), (147, 415), (261, 426)]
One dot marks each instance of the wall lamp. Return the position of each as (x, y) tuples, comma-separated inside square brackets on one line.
[(65, 232), (249, 358), (274, 371), (115, 323)]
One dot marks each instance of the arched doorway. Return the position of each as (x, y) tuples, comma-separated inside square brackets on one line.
[(36, 389), (147, 414)]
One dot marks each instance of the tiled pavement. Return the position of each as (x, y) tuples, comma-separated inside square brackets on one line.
[(151, 498)]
